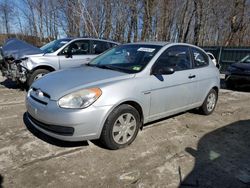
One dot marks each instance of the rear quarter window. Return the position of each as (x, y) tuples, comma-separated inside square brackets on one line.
[(199, 57), (99, 47)]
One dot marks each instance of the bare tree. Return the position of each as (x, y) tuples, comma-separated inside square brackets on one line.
[(202, 22), (148, 6), (198, 20), (6, 13), (133, 23), (236, 20)]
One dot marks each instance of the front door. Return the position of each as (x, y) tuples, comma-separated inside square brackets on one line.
[(75, 54), (172, 93)]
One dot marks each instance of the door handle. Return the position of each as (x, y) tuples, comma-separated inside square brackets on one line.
[(191, 76)]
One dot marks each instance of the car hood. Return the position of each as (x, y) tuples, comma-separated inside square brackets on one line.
[(60, 83), (17, 49), (242, 66)]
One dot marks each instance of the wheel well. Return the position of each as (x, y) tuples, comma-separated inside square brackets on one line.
[(44, 67), (137, 107), (216, 89)]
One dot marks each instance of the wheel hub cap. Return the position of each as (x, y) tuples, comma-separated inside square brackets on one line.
[(124, 128), (211, 101)]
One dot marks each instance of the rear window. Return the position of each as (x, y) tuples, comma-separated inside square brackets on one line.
[(99, 47)]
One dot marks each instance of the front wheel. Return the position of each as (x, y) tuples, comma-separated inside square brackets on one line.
[(209, 104), (36, 75), (121, 127)]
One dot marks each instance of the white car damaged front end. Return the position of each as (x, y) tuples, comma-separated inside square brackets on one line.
[(23, 68)]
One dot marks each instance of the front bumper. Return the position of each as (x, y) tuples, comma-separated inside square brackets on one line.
[(66, 124)]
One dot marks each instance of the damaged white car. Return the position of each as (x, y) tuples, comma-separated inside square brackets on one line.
[(25, 63)]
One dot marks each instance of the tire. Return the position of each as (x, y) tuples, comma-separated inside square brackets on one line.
[(210, 102), (36, 75), (116, 127)]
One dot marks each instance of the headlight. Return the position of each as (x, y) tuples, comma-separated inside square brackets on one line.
[(80, 99)]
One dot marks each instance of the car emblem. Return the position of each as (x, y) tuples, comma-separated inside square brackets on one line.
[(39, 93)]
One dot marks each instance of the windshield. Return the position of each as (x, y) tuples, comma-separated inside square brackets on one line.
[(54, 45), (130, 58)]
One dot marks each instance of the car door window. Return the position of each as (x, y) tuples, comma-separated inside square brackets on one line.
[(112, 45), (99, 47), (200, 58), (176, 57), (80, 47), (248, 60)]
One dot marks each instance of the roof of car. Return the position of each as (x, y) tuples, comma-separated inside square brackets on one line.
[(91, 38), (158, 43)]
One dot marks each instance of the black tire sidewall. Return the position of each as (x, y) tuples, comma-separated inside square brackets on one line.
[(34, 74), (107, 136), (204, 105)]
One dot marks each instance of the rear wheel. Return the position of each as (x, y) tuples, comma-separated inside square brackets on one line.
[(209, 104), (121, 127), (36, 75)]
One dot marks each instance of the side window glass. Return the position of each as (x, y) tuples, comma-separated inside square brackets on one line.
[(176, 57), (200, 59), (99, 46), (112, 45), (77, 48), (247, 60)]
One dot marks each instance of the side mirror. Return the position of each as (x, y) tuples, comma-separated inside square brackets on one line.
[(162, 70)]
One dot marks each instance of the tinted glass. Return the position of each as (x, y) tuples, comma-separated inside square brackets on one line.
[(126, 58), (99, 47), (80, 47), (112, 45), (200, 58), (246, 59), (176, 57), (54, 45)]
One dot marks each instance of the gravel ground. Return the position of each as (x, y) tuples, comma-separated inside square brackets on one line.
[(187, 150)]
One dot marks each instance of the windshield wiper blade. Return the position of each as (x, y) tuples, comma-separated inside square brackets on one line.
[(90, 64), (109, 67)]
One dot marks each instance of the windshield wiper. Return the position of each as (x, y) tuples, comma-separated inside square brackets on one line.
[(102, 66), (109, 67), (91, 65)]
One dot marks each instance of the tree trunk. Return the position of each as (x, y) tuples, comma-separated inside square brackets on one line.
[(236, 21)]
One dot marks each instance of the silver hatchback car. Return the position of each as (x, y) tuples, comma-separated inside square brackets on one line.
[(116, 93)]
